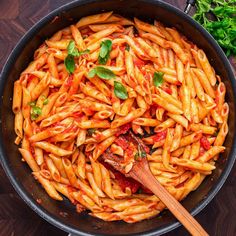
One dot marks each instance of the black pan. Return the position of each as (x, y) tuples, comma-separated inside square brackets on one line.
[(19, 173)]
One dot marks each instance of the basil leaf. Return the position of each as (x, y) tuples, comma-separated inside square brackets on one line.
[(143, 154), (35, 112), (72, 50), (158, 78), (101, 72), (105, 50), (70, 64), (92, 73), (140, 154), (104, 73), (120, 91), (127, 47)]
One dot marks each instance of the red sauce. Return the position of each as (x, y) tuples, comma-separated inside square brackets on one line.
[(122, 142), (159, 136), (138, 62), (167, 90), (123, 129), (205, 143), (125, 182), (69, 81)]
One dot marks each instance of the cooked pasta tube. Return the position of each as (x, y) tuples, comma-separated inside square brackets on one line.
[(94, 81)]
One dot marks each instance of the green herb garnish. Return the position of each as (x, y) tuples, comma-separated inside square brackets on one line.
[(127, 47), (223, 27), (91, 131), (105, 50), (158, 78), (102, 73), (70, 64), (120, 90), (140, 154), (45, 102), (35, 112), (72, 53)]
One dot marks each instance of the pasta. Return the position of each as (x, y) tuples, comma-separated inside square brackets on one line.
[(91, 83)]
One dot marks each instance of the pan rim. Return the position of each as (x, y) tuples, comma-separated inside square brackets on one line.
[(27, 197)]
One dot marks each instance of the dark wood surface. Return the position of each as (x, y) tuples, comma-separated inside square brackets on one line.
[(16, 218)]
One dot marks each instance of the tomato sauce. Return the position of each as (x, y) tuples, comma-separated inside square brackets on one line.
[(123, 129), (159, 136), (205, 143), (122, 142)]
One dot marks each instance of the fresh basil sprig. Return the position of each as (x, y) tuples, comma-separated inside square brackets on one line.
[(72, 53), (158, 79), (120, 90), (106, 74), (102, 73), (105, 50)]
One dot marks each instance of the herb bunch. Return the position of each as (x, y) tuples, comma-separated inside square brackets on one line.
[(223, 28)]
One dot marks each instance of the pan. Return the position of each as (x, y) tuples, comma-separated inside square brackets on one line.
[(63, 214)]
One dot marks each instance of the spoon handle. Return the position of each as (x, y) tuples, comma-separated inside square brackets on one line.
[(145, 177)]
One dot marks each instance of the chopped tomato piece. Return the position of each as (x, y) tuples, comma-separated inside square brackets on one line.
[(122, 142), (205, 143), (167, 90), (138, 62), (159, 136), (125, 182), (123, 129)]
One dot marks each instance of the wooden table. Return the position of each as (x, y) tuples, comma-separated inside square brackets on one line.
[(16, 218)]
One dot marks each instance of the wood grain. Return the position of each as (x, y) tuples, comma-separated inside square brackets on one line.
[(16, 218)]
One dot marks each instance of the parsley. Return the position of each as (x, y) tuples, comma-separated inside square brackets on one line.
[(158, 78), (105, 50), (72, 53), (120, 90), (101, 72), (223, 28)]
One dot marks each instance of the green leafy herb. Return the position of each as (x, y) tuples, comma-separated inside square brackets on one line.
[(105, 50), (72, 49), (223, 27), (91, 131), (72, 53), (102, 73), (127, 47), (45, 102), (140, 154), (120, 90), (70, 64), (35, 112), (158, 78)]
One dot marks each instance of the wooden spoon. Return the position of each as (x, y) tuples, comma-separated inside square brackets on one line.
[(140, 171)]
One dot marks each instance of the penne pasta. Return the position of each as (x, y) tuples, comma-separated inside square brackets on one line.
[(99, 84)]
